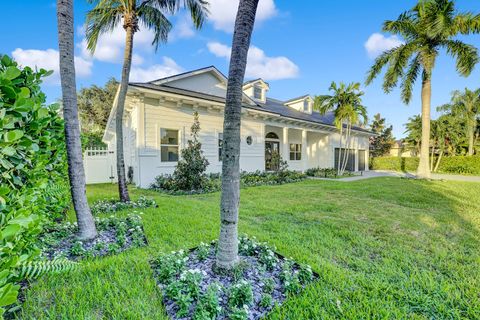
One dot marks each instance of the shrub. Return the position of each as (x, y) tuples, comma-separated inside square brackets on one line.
[(113, 205), (32, 160), (190, 171), (454, 164)]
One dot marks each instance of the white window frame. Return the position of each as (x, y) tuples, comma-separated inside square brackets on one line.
[(220, 146), (306, 106), (169, 145), (298, 151), (261, 92)]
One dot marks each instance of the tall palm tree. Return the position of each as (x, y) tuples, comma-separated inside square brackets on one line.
[(133, 14), (76, 173), (346, 105), (465, 105), (427, 28), (227, 253)]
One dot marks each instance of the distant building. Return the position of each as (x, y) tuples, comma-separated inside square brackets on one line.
[(401, 149)]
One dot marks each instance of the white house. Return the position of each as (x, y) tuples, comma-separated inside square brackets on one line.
[(159, 114)]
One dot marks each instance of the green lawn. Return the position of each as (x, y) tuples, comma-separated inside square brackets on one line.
[(385, 248)]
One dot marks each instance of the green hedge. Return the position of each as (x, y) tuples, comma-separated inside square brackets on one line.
[(456, 164)]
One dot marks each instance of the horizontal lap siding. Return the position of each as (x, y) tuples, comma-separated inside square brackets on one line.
[(211, 123)]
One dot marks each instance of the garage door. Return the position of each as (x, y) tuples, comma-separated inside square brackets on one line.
[(350, 160), (361, 160)]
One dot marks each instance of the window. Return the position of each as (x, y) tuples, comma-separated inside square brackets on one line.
[(220, 146), (295, 151), (257, 92), (168, 145), (306, 105), (271, 135)]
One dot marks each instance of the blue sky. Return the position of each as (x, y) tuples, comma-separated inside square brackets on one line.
[(297, 48)]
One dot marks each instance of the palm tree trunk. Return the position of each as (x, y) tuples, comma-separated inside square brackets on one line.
[(76, 172), (471, 137), (423, 170), (432, 156), (438, 161), (227, 253), (127, 63), (347, 148), (339, 165)]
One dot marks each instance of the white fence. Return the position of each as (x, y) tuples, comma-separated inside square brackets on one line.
[(100, 166)]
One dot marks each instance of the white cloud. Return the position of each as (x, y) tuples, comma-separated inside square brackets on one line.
[(183, 28), (110, 45), (167, 68), (49, 60), (223, 13), (378, 43), (259, 65)]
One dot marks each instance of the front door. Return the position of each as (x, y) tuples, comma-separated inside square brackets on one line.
[(272, 155), (361, 160)]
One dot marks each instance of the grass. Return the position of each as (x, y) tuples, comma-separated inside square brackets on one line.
[(385, 248)]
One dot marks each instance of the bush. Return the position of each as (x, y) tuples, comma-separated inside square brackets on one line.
[(212, 183), (32, 161), (455, 164), (190, 171), (394, 163), (326, 173)]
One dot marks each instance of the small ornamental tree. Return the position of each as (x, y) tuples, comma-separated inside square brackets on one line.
[(190, 171)]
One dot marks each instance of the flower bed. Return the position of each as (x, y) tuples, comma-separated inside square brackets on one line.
[(330, 173), (113, 205), (114, 235), (193, 288), (212, 182)]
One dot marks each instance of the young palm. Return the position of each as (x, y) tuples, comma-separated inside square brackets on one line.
[(465, 105), (76, 173), (227, 253), (346, 105), (134, 14), (427, 28)]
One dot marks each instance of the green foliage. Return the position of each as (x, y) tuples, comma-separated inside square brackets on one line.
[(190, 171), (212, 183), (427, 28), (330, 173), (35, 269), (456, 165), (113, 205), (94, 105), (240, 294), (381, 144), (266, 300), (268, 286), (32, 160), (202, 251), (169, 266), (208, 306)]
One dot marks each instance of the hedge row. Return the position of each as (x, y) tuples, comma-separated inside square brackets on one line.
[(457, 164)]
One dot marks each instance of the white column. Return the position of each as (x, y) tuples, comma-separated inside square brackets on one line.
[(286, 146), (304, 150)]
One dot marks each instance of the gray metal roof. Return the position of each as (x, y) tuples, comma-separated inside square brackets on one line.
[(272, 106)]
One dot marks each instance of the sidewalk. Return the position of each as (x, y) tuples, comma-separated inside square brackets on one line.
[(382, 173)]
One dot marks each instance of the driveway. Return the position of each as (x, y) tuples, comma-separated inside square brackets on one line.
[(382, 173)]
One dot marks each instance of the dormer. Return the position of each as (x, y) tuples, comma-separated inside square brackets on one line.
[(256, 89), (303, 104)]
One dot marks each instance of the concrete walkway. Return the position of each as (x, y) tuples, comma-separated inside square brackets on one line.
[(381, 173)]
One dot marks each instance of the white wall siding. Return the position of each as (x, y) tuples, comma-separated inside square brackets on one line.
[(158, 116)]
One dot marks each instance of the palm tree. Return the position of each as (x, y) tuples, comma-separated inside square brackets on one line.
[(133, 14), (76, 173), (465, 105), (346, 105), (227, 253), (427, 28)]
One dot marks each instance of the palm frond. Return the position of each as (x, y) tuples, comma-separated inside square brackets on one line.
[(152, 18), (380, 62), (409, 79), (466, 23), (397, 64), (102, 19), (466, 55)]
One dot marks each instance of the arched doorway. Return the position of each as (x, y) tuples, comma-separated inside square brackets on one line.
[(272, 151)]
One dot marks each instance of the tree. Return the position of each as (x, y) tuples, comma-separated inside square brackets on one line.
[(94, 105), (76, 173), (190, 171), (427, 28), (227, 253), (346, 104), (414, 133), (383, 142), (132, 14), (465, 105)]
